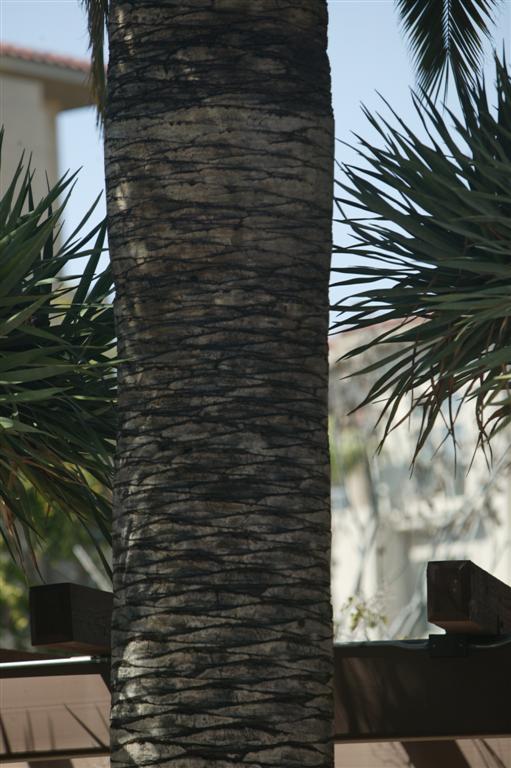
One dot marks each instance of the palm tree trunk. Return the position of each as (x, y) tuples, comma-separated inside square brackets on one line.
[(219, 147)]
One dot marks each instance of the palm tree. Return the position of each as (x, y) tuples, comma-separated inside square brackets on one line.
[(219, 156), (57, 382), (219, 149)]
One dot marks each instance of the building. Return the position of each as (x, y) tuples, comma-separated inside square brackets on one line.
[(34, 88), (388, 522)]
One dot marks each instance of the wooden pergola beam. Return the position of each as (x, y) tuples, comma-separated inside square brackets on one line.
[(69, 617), (406, 691), (411, 691), (465, 599)]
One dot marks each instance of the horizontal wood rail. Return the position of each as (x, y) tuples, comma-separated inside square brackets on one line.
[(403, 692)]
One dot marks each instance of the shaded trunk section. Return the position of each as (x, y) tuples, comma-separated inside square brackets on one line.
[(219, 155)]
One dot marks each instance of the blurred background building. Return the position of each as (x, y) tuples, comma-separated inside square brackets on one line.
[(35, 88), (388, 521)]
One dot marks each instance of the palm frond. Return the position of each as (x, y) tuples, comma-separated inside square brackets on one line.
[(97, 18), (433, 219), (446, 36), (57, 376)]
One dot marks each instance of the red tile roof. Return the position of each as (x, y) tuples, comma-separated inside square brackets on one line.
[(41, 57)]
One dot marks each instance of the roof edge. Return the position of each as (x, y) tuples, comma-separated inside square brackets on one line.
[(43, 57)]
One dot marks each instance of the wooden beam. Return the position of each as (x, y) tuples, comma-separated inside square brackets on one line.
[(8, 655), (41, 668), (401, 692), (407, 691), (50, 764), (69, 617), (440, 754), (465, 599)]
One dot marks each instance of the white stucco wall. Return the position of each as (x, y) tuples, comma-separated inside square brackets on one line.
[(29, 122)]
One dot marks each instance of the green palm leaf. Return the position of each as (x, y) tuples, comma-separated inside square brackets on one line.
[(434, 219), (446, 36), (57, 378)]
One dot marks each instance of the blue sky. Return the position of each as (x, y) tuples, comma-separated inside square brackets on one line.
[(367, 54)]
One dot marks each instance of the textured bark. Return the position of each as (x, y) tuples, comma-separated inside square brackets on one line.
[(219, 174)]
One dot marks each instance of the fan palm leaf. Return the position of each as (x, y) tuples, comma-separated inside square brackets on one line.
[(446, 36), (433, 218), (57, 379)]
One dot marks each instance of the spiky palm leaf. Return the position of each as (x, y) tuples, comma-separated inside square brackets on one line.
[(447, 36), (436, 221), (57, 382)]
